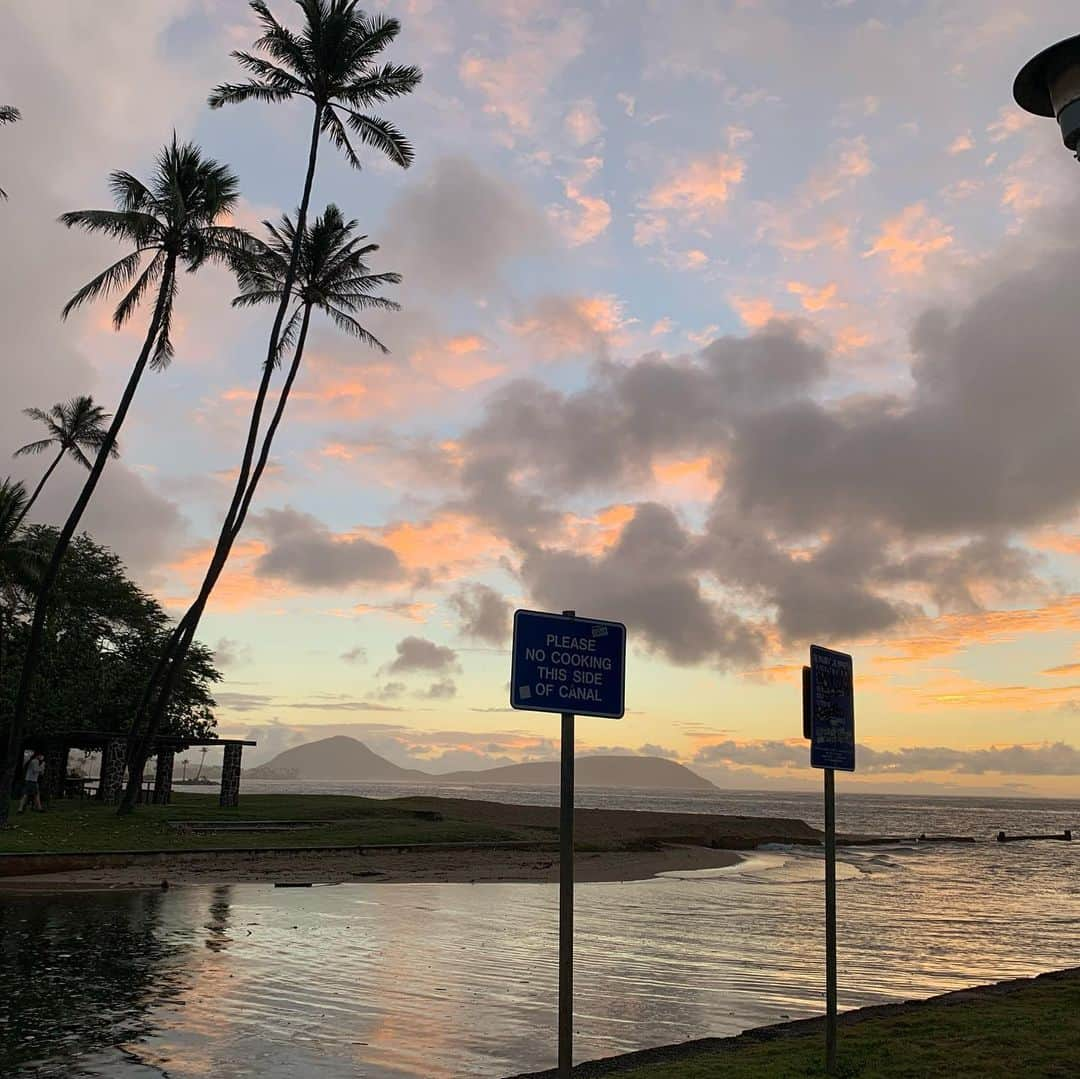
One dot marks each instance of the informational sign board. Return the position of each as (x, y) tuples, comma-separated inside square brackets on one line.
[(832, 735), (568, 664)]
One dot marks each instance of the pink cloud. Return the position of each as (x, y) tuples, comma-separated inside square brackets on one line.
[(909, 239)]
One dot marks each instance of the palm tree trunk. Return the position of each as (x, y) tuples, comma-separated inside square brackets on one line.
[(166, 669), (185, 630), (48, 581), (41, 483)]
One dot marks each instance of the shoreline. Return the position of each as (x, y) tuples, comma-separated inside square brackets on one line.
[(472, 865), (717, 1053)]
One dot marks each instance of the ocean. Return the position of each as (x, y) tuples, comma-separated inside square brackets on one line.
[(448, 980)]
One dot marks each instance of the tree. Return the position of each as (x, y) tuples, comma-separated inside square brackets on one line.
[(333, 277), (331, 63), (173, 221), (73, 426), (102, 637), (8, 115)]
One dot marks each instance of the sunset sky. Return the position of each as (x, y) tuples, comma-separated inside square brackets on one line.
[(750, 323)]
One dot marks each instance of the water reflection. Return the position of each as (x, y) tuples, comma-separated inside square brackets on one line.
[(444, 980)]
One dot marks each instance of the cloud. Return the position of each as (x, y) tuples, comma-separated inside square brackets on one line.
[(454, 231), (304, 552), (357, 655), (582, 123), (441, 690), (591, 215), (692, 193), (231, 653), (484, 614), (1045, 759), (420, 654), (909, 239)]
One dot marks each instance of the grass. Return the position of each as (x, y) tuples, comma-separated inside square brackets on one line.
[(71, 826), (1030, 1031)]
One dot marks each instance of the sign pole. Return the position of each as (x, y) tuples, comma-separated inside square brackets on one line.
[(566, 896), (830, 922)]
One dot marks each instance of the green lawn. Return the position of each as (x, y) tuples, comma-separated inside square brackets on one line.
[(1032, 1032), (71, 825)]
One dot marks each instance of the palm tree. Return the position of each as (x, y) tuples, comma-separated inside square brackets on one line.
[(331, 63), (8, 115), (333, 277), (171, 222), (73, 426)]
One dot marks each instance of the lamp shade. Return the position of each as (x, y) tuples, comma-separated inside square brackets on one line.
[(1049, 85)]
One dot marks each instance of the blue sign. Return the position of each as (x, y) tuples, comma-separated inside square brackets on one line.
[(832, 710), (567, 664)]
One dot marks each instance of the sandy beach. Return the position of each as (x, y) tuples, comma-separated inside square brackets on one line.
[(467, 866)]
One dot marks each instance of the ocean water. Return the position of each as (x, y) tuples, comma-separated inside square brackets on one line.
[(447, 980)]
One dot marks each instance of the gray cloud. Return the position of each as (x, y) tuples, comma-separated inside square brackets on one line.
[(442, 690), (229, 653), (1048, 759), (305, 552), (648, 579), (454, 230), (420, 654), (355, 655), (483, 613)]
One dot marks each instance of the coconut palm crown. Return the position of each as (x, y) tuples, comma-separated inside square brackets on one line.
[(173, 219), (72, 426), (332, 275), (331, 62)]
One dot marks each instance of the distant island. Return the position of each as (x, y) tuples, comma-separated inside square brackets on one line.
[(347, 760)]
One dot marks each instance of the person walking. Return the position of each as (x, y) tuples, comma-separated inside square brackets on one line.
[(35, 770)]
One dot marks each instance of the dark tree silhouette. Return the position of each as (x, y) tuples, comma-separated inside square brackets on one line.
[(172, 221), (8, 115), (73, 426)]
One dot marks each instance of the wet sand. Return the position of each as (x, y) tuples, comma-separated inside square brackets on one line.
[(466, 866)]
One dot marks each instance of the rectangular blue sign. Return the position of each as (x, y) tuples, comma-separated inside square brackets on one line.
[(832, 710), (567, 664)]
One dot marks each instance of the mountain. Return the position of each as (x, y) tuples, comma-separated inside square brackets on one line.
[(343, 760), (340, 759)]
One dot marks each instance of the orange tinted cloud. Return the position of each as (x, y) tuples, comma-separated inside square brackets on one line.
[(238, 587), (595, 535), (691, 479), (755, 311), (449, 545), (702, 187), (457, 363), (815, 299), (909, 239)]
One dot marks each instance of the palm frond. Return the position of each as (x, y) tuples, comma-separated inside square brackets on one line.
[(126, 307), (349, 325), (9, 114), (384, 136), (163, 350), (112, 278), (335, 129), (34, 447), (233, 93), (119, 224), (390, 80)]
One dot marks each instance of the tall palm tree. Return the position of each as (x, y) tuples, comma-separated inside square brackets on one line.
[(171, 222), (8, 115), (332, 276), (73, 426), (330, 61)]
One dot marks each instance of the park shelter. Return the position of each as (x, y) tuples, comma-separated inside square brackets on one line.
[(115, 748)]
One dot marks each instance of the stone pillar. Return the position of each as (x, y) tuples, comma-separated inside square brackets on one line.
[(230, 777), (56, 757), (163, 777), (113, 759)]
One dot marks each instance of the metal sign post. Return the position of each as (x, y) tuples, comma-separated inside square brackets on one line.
[(560, 662), (829, 723)]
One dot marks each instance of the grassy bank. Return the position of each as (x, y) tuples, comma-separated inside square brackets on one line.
[(70, 826), (1027, 1028)]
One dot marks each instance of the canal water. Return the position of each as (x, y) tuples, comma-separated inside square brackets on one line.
[(447, 980)]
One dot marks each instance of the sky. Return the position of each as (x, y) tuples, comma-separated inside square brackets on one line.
[(750, 323)]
